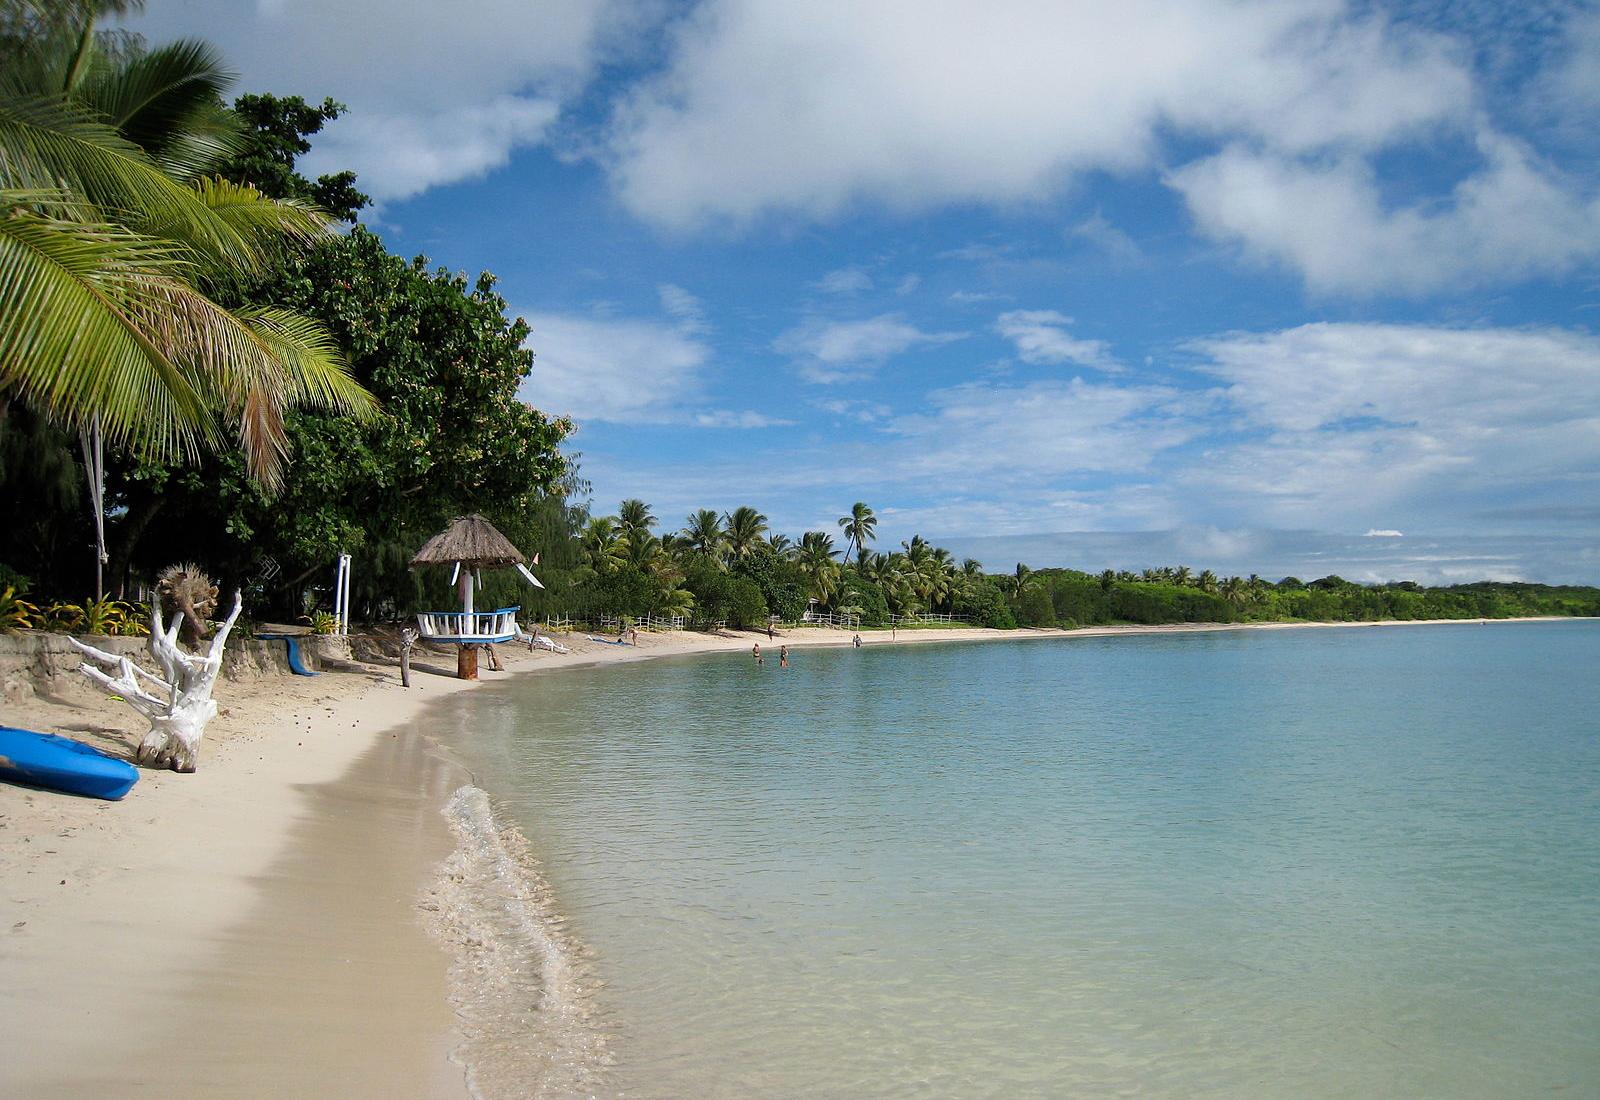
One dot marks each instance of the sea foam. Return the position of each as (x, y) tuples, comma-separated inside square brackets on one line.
[(519, 983)]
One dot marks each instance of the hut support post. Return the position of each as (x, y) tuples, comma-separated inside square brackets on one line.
[(466, 655)]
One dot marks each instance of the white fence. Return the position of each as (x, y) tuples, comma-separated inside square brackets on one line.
[(925, 618), (836, 620)]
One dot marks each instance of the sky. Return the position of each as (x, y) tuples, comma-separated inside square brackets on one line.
[(1298, 287)]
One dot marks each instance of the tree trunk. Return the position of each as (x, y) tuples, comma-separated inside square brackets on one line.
[(467, 662), (181, 705)]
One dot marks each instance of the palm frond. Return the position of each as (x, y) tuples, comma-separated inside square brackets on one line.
[(72, 298), (51, 143)]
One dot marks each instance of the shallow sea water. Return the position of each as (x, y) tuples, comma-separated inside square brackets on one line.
[(1310, 863)]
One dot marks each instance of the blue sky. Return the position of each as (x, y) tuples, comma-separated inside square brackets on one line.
[(1299, 287)]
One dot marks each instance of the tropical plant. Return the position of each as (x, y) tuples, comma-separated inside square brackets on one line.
[(1018, 582), (111, 238), (635, 518), (704, 535), (604, 549), (859, 527), (816, 562), (782, 545), (745, 527), (323, 622), (16, 613)]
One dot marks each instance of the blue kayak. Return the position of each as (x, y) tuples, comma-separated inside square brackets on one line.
[(45, 760)]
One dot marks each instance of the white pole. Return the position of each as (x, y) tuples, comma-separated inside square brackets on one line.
[(342, 595)]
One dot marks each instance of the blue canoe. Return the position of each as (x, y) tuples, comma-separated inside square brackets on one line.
[(45, 760)]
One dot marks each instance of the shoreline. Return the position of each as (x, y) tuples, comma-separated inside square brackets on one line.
[(230, 932)]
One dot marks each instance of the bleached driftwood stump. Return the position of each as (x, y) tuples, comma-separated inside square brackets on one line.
[(181, 705)]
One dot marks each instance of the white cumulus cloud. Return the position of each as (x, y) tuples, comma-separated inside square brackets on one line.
[(1041, 337), (836, 351)]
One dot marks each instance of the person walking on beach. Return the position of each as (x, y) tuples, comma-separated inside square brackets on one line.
[(769, 630), (783, 656), (755, 651)]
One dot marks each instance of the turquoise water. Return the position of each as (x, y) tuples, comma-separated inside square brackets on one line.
[(1309, 863)]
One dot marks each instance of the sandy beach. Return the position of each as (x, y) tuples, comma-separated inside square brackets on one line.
[(258, 928)]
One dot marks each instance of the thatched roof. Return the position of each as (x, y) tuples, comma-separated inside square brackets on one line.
[(471, 540)]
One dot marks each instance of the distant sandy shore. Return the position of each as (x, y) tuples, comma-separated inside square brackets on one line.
[(253, 930)]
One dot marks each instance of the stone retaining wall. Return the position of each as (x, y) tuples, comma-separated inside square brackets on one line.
[(33, 661)]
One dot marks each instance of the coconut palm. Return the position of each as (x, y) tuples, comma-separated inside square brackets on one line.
[(110, 238), (745, 527), (604, 549), (704, 534), (635, 518), (859, 527), (1236, 591), (1015, 584), (1108, 579), (816, 561), (782, 545), (1207, 581), (1181, 575)]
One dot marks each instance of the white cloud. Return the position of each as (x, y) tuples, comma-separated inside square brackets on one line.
[(437, 92), (1327, 220), (913, 103), (1345, 420), (846, 280), (836, 351), (1116, 244), (975, 433), (679, 303), (1041, 337), (629, 371), (724, 418)]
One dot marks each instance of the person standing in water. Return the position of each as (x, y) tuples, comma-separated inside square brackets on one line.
[(755, 651), (856, 641), (783, 656)]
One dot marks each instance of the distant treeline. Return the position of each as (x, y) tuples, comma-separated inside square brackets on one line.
[(1067, 597)]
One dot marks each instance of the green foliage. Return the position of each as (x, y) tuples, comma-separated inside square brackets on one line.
[(277, 129), (859, 592), (984, 605), (103, 616), (445, 364), (781, 583), (323, 622), (1033, 607), (16, 613)]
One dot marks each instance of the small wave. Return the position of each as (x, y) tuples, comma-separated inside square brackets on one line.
[(519, 984)]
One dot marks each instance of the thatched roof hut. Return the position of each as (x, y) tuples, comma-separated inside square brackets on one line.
[(471, 540)]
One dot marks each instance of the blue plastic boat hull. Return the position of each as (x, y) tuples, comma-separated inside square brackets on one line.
[(62, 764)]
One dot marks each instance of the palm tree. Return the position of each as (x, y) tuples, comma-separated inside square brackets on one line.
[(1236, 591), (604, 548), (782, 545), (1015, 584), (635, 518), (745, 527), (859, 527), (1207, 581), (111, 236), (704, 534), (816, 561), (1108, 579)]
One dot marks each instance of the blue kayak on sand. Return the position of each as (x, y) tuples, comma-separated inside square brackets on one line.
[(60, 763)]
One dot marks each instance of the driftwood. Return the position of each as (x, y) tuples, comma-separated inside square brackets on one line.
[(408, 638), (180, 706)]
